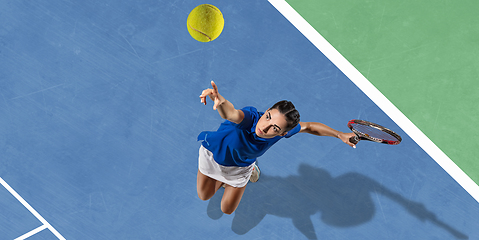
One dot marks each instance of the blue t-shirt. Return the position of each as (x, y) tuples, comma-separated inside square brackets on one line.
[(237, 144)]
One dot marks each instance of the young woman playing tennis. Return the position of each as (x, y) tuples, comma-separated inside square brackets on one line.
[(227, 156)]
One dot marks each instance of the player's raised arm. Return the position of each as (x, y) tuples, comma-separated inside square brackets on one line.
[(320, 129), (223, 106)]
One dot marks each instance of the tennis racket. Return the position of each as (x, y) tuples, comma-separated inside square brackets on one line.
[(365, 130)]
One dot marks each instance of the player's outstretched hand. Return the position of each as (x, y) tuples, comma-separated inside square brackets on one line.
[(345, 138), (213, 94)]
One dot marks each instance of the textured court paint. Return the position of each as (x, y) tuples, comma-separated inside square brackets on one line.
[(377, 97), (112, 153), (421, 55), (32, 211)]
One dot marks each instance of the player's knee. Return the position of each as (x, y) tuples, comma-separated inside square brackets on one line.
[(204, 196), (227, 208), (204, 193)]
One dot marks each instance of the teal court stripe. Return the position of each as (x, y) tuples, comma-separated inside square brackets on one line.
[(377, 97)]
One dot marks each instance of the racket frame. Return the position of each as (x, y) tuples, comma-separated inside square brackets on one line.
[(362, 136)]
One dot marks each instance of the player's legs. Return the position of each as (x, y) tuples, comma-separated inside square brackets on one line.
[(206, 186), (231, 198)]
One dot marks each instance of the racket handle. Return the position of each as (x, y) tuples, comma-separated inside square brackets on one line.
[(354, 139)]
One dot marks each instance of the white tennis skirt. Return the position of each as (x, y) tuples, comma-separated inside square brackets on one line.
[(233, 176)]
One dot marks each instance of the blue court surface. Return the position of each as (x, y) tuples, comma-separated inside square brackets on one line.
[(99, 114)]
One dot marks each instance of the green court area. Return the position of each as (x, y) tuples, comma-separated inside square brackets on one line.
[(422, 55)]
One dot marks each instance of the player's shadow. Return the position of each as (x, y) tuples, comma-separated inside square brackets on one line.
[(344, 201)]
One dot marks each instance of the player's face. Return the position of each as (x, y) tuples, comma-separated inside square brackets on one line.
[(271, 124)]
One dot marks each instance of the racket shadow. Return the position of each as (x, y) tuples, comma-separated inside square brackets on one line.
[(343, 201)]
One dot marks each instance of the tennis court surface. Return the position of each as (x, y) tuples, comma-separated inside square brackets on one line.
[(100, 113)]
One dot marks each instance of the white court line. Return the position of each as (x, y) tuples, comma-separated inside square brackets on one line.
[(31, 233), (32, 211), (377, 97)]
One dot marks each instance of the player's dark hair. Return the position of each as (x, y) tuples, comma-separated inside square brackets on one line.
[(289, 111)]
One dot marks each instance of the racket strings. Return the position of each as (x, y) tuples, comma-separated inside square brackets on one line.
[(375, 133)]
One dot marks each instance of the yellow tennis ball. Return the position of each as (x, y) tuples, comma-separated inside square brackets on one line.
[(205, 23)]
